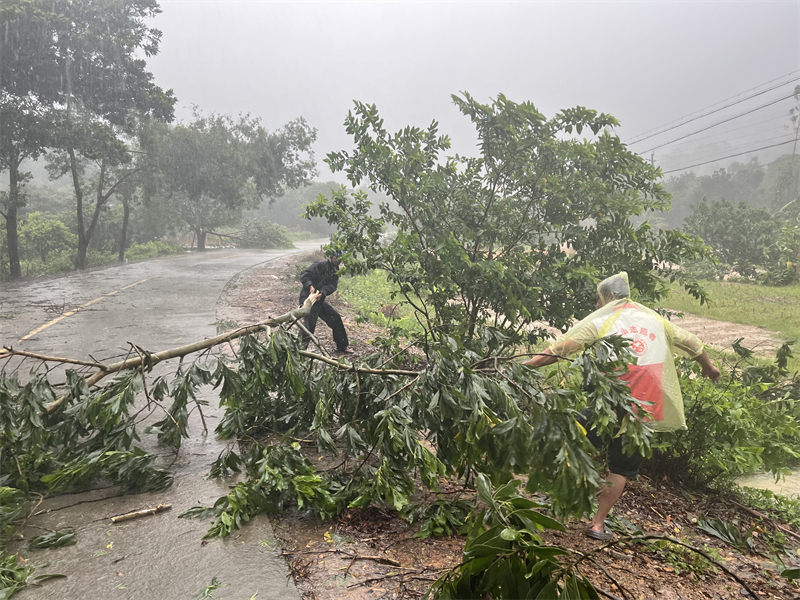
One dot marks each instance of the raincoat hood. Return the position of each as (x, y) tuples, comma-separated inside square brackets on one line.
[(615, 287)]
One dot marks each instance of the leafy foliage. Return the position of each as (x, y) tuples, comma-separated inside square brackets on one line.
[(505, 556), (11, 501), (775, 506), (278, 475), (13, 575), (517, 235), (444, 516), (43, 235), (684, 560), (478, 415), (92, 435), (55, 539), (258, 233)]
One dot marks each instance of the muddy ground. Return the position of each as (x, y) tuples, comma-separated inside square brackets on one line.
[(373, 553)]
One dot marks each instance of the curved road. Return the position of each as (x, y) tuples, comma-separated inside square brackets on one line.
[(157, 304)]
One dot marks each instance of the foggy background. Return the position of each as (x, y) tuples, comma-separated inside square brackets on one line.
[(647, 63)]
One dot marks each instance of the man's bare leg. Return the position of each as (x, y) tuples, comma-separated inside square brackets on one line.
[(610, 493)]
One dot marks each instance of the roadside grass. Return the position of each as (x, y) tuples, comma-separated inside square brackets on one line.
[(775, 309), (370, 293)]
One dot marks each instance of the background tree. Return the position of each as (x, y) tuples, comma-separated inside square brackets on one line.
[(215, 167), (519, 234), (28, 87), (737, 183), (739, 234), (106, 93)]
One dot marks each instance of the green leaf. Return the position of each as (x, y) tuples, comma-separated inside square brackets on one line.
[(509, 534), (793, 573)]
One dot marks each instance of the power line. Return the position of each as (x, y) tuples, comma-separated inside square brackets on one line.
[(706, 137), (683, 137), (640, 138), (729, 156), (717, 151)]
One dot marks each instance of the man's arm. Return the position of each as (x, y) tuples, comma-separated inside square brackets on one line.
[(551, 355), (331, 285), (709, 370)]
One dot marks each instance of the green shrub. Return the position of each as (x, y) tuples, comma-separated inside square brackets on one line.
[(95, 258), (746, 422), (151, 250), (260, 233), (299, 236), (41, 235), (705, 269), (779, 275)]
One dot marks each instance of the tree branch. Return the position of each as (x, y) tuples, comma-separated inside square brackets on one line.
[(157, 357), (8, 351)]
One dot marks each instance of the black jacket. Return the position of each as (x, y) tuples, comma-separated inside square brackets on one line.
[(323, 276)]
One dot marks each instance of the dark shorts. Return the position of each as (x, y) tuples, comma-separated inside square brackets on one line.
[(618, 462)]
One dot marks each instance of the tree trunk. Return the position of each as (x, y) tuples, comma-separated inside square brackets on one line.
[(123, 242), (473, 319), (83, 243), (12, 236), (201, 239)]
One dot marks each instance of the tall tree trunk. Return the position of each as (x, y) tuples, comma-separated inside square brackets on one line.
[(201, 238), (12, 235), (473, 319), (126, 211), (83, 243)]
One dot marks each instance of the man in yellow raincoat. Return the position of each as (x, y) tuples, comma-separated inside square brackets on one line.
[(653, 380)]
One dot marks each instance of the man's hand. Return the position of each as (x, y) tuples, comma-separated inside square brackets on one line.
[(711, 372), (311, 289), (708, 368), (315, 296)]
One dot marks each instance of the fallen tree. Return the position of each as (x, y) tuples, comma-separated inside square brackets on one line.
[(463, 413), (470, 413)]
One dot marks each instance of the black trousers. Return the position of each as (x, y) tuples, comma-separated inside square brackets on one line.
[(618, 461), (331, 318)]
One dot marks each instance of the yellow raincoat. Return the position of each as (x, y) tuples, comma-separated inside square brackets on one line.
[(654, 341)]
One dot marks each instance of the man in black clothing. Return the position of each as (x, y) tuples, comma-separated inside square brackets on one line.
[(321, 277)]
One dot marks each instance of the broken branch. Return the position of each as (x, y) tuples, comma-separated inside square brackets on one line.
[(8, 351), (141, 513)]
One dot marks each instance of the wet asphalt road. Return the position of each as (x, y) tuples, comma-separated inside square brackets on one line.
[(157, 304)]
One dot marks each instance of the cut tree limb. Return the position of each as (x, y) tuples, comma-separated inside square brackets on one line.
[(141, 513), (147, 359), (157, 357)]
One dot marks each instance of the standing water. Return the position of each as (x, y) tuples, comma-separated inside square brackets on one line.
[(790, 486)]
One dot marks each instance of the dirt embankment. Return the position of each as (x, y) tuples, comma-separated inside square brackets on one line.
[(372, 553)]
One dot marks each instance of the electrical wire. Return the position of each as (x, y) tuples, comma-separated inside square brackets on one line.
[(752, 110), (739, 147), (724, 157), (708, 137), (644, 136)]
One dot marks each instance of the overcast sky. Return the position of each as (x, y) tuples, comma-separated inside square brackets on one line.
[(646, 63)]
